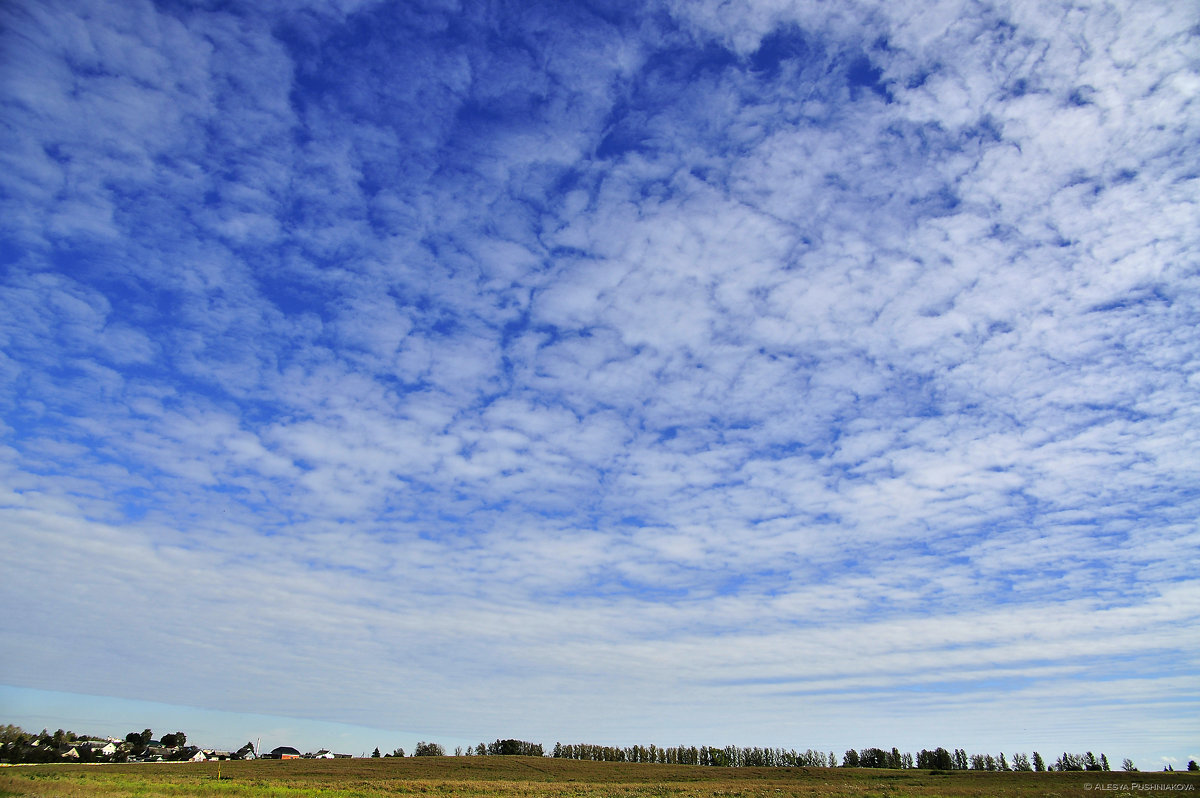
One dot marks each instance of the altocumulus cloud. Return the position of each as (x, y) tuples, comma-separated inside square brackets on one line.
[(771, 372)]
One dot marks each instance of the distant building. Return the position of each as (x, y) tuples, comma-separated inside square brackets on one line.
[(282, 752), (157, 752), (98, 747)]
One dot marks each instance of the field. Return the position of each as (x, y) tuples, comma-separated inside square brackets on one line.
[(532, 777)]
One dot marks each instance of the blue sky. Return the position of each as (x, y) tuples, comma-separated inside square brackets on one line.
[(800, 374)]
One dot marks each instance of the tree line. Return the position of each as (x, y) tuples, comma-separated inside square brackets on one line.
[(941, 759), (506, 748), (735, 756), (712, 756), (497, 748)]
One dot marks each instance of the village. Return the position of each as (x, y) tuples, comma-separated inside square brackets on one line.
[(20, 747)]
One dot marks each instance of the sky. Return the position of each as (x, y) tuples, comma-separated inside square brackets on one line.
[(798, 374)]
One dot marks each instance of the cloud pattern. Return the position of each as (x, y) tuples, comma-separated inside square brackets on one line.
[(758, 370)]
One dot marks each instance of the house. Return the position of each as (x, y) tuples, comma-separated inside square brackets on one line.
[(324, 753), (282, 752), (100, 747), (157, 752), (221, 756)]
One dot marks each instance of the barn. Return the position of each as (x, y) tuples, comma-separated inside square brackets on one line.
[(282, 752)]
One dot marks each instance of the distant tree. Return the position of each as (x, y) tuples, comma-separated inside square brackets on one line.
[(1104, 763), (832, 759), (139, 740), (1021, 762), (939, 759), (978, 762), (850, 759), (872, 758), (375, 754), (1039, 764), (11, 734), (1128, 766), (1069, 762), (522, 748), (960, 759), (481, 750), (458, 750), (429, 749), (399, 752), (1192, 766), (1003, 762), (176, 740)]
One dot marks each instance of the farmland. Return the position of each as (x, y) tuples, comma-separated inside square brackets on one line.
[(535, 777)]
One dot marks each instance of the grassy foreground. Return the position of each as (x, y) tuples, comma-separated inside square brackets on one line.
[(532, 777)]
